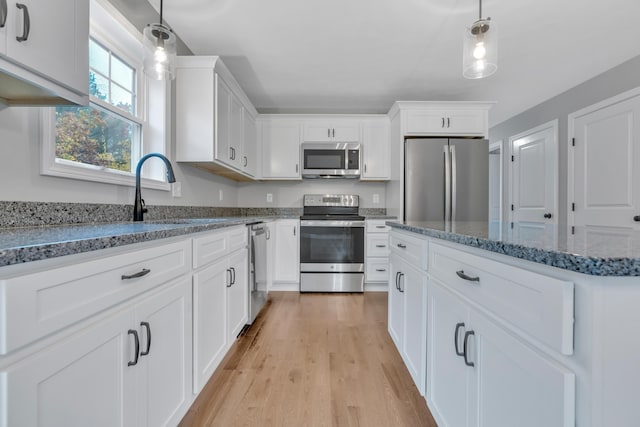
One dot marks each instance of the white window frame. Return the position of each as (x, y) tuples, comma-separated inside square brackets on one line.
[(110, 29)]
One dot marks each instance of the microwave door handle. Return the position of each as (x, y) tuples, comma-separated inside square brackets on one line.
[(447, 184)]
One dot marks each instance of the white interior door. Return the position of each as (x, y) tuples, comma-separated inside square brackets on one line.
[(534, 176), (606, 188)]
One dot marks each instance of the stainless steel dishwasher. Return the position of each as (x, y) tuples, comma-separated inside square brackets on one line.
[(258, 236)]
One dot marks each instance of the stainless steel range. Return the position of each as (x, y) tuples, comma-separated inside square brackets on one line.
[(331, 244)]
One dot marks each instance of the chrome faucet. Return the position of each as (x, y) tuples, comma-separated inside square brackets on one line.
[(139, 207)]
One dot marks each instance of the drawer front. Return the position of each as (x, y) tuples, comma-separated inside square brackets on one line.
[(377, 226), (377, 269), (412, 249), (210, 247), (536, 305), (238, 237), (377, 245), (36, 305)]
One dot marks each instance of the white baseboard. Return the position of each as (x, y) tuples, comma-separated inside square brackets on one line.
[(376, 287), (285, 287)]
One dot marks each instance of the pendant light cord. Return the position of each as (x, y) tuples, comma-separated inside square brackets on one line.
[(161, 10), (480, 17)]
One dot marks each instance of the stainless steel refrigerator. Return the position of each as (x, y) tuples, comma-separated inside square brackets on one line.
[(446, 179)]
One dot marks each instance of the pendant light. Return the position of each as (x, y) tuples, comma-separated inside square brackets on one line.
[(159, 44), (480, 50)]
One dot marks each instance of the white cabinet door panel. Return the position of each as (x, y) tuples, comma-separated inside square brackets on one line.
[(81, 381), (413, 285), (514, 382), (164, 382), (287, 251), (396, 302), (210, 321), (250, 146), (280, 149), (223, 147), (376, 165), (237, 294)]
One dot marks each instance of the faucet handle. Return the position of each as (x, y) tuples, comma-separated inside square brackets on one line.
[(144, 206)]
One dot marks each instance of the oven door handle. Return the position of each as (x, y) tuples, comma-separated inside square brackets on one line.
[(330, 223)]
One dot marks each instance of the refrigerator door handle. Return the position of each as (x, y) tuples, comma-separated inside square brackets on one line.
[(447, 184), (453, 183)]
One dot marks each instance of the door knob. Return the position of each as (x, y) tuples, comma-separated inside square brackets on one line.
[(547, 215), (636, 218)]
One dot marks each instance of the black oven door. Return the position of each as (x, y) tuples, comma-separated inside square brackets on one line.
[(331, 246)]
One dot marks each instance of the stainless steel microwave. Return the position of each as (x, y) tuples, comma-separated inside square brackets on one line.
[(331, 160)]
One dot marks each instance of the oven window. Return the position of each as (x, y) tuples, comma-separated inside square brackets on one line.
[(335, 245), (324, 159)]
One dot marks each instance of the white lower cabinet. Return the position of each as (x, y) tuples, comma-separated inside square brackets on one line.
[(287, 250), (220, 297), (481, 375), (132, 368), (407, 316)]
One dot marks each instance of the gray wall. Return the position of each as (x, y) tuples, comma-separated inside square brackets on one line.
[(619, 79)]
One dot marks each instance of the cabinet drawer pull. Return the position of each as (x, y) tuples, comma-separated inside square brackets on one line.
[(465, 348), (328, 133), (140, 273), (3, 13), (455, 339), (448, 122), (148, 328), (443, 122), (137, 345), (401, 246), (381, 226), (466, 277), (26, 23), (381, 269), (381, 246)]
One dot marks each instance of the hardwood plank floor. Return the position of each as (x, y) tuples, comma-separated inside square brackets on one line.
[(313, 360)]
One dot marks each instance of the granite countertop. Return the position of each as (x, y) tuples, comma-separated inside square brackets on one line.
[(598, 253), (24, 244), (380, 216)]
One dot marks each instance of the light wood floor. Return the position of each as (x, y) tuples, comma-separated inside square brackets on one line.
[(313, 360)]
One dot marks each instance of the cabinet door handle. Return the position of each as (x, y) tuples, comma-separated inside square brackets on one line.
[(229, 278), (465, 348), (461, 275), (333, 133), (397, 274), (381, 246), (268, 234), (26, 23), (328, 133), (400, 288), (245, 161), (296, 168), (3, 13), (136, 341), (636, 218), (381, 226), (448, 122), (365, 168), (455, 339), (140, 273), (233, 275), (548, 215), (442, 122), (294, 230), (401, 246), (148, 328), (381, 269)]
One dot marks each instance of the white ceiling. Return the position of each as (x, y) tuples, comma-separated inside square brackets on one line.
[(346, 56)]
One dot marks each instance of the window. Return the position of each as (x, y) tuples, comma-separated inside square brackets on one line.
[(103, 141)]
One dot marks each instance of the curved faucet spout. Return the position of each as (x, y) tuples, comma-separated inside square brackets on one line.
[(138, 206)]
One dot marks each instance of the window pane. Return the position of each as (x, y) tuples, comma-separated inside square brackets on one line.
[(121, 73), (94, 136), (98, 86), (98, 58), (122, 98)]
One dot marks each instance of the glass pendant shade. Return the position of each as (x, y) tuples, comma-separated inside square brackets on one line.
[(159, 44), (480, 50)]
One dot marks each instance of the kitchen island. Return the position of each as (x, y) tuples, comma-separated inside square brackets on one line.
[(521, 326)]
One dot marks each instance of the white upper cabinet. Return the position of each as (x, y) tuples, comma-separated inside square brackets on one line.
[(331, 130), (424, 118), (375, 150), (280, 140), (43, 61), (211, 110), (250, 147)]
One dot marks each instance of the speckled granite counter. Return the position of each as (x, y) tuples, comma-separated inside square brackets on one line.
[(596, 253), (25, 244)]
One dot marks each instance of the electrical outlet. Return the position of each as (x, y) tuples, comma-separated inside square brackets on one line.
[(176, 189), (220, 195), (376, 199), (269, 198)]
